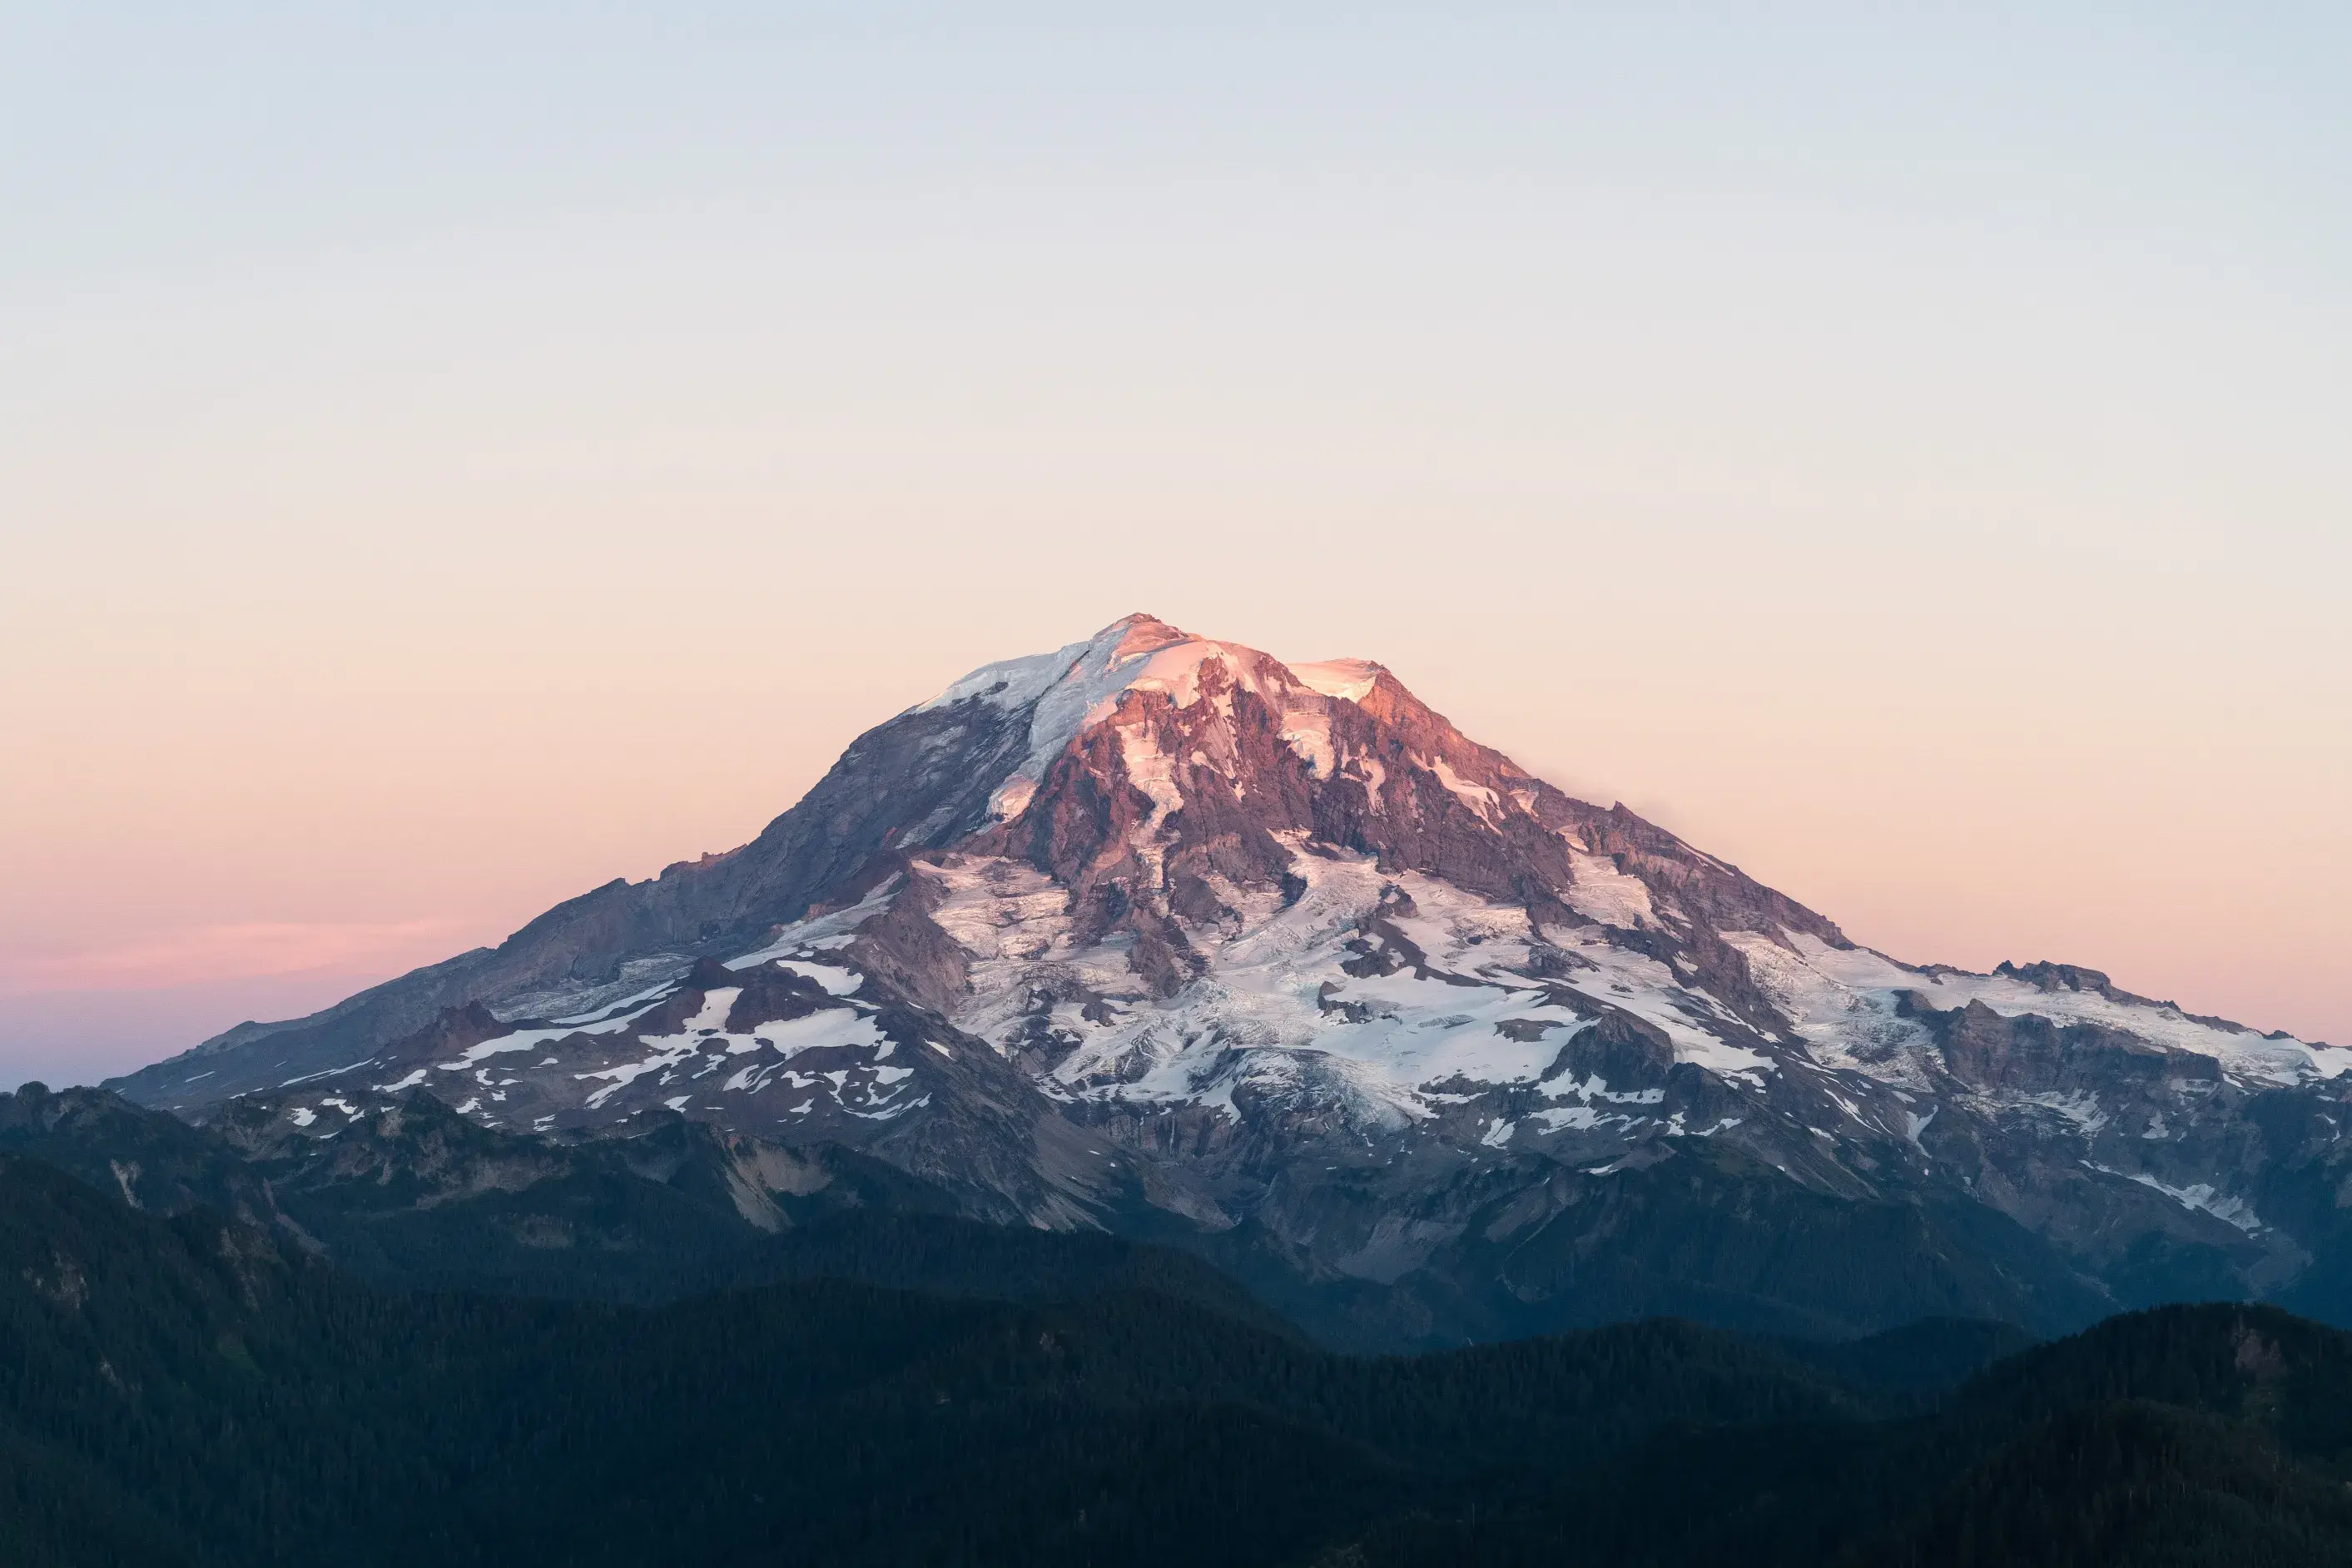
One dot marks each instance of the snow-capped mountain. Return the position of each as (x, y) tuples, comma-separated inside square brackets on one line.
[(1160, 934)]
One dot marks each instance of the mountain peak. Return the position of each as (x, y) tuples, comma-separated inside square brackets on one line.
[(1069, 691), (1159, 921), (1139, 633), (1143, 650)]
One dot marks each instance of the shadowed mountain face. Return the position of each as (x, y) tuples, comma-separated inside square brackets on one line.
[(1160, 935)]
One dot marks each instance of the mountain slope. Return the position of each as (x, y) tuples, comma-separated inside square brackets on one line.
[(1159, 934)]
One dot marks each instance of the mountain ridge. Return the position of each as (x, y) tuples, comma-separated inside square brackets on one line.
[(188, 1389), (1156, 931)]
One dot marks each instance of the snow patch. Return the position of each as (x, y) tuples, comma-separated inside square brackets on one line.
[(528, 1039), (1277, 1012), (1349, 679), (1843, 1002), (1600, 891), (820, 933), (1476, 796), (2202, 1195)]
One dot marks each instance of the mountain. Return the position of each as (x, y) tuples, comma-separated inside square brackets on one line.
[(193, 1390), (1159, 935), (409, 1194)]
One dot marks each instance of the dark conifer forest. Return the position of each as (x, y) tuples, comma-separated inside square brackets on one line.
[(907, 1389)]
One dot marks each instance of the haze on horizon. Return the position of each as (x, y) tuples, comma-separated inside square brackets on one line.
[(451, 459)]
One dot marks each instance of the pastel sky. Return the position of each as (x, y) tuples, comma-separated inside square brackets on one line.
[(451, 456)]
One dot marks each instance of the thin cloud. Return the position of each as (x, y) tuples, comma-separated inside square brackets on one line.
[(244, 951)]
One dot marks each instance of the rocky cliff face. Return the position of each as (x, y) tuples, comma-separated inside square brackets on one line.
[(1159, 933)]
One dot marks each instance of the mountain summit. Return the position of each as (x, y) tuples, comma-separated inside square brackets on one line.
[(1160, 934)]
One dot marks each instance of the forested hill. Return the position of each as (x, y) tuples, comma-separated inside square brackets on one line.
[(189, 1390)]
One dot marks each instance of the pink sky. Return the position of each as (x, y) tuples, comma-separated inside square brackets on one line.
[(445, 465), (242, 833)]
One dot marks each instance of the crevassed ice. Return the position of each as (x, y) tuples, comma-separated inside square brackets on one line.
[(1600, 891), (820, 932), (1842, 1000), (1263, 993)]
